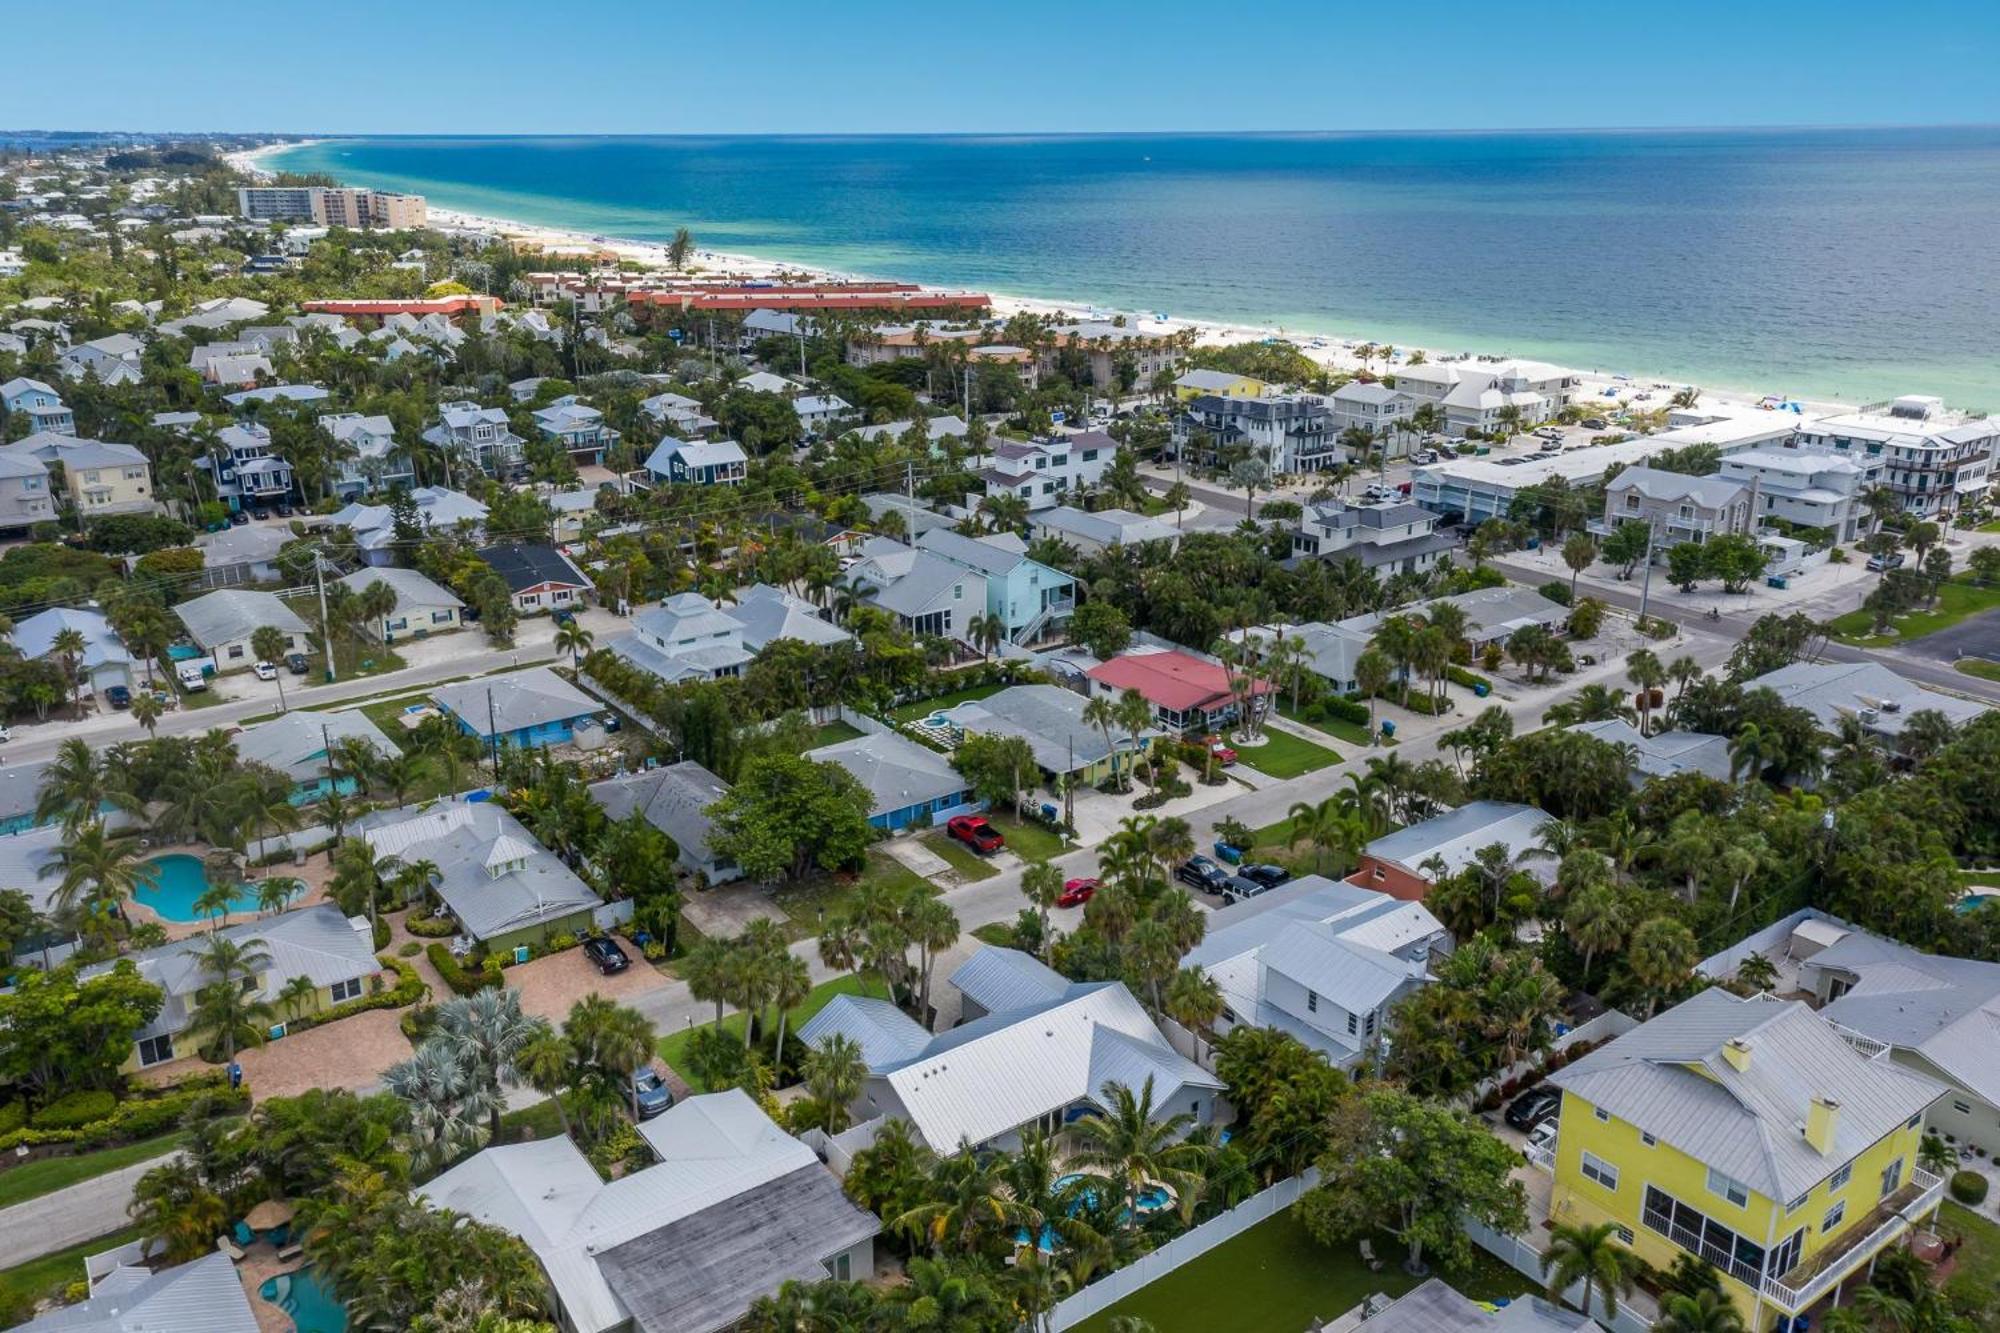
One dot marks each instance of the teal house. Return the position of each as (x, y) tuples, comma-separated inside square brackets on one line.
[(296, 745), (1029, 598)]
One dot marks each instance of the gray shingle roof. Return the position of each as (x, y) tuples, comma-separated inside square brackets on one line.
[(514, 700), (673, 799), (228, 615), (1049, 718), (1832, 690), (1656, 484), (492, 873), (894, 770), (1457, 835), (295, 744)]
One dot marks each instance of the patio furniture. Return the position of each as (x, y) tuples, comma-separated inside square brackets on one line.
[(1368, 1256), (230, 1248), (269, 1215), (291, 1252)]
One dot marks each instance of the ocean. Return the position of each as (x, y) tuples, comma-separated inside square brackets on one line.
[(1852, 264)]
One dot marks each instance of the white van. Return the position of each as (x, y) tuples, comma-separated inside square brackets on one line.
[(190, 677)]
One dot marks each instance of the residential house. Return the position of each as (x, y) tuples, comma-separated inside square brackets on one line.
[(115, 359), (320, 942), (231, 365), (479, 435), (1869, 692), (1433, 1307), (41, 405), (1394, 538), (938, 429), (504, 888), (769, 614), (1050, 719), (535, 707), (1188, 693), (734, 1209), (248, 472), (423, 605), (101, 478), (1747, 1134), (540, 577), (20, 797), (222, 622), (104, 661), (1374, 407), (679, 413), (578, 427), (926, 593), (1935, 462), (698, 462), (1330, 650), (675, 799), (1116, 357), (242, 553), (686, 637), (1678, 508), (1666, 754), (1091, 533), (25, 497), (278, 393), (1808, 488), (818, 412), (763, 381), (1042, 472), (1193, 384), (759, 324), (914, 518), (1286, 432), (908, 785), (1473, 395), (573, 509), (295, 744), (1405, 864), (373, 526), (205, 1295), (1028, 598), (1492, 615), (368, 460), (1042, 1063), (1320, 960)]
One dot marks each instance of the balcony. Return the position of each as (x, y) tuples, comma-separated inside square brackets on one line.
[(1819, 1274)]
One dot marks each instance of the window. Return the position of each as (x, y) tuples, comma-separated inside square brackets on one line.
[(1914, 1121), (1625, 1235), (1370, 1025), (1601, 1114), (440, 617), (1961, 1107), (156, 1050), (1648, 1140), (1312, 1002), (1353, 1025), (346, 990), (1833, 1217), (1892, 1177), (841, 1267), (1090, 455), (1597, 1169), (235, 651), (1731, 1189), (1798, 1203)]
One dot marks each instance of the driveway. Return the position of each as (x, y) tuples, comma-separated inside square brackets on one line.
[(550, 985), (351, 1053), (1975, 636)]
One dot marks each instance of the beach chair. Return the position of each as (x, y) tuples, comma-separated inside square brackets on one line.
[(1368, 1256), (291, 1252), (230, 1248)]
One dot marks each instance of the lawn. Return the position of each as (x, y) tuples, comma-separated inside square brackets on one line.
[(1354, 733), (999, 933), (925, 707), (969, 864), (805, 903), (673, 1044), (207, 698), (34, 1179), (1029, 841), (834, 732), (540, 1121), (386, 714), (1979, 1257), (1283, 755), (1978, 666), (1985, 878), (21, 1287), (1274, 1278), (1957, 600)]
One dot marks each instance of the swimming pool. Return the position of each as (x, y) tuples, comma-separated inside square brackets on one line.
[(170, 884), (1151, 1200), (312, 1308), (1971, 901)]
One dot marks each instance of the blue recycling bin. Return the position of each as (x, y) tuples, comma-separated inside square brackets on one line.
[(1230, 854), (1388, 728), (1481, 689)]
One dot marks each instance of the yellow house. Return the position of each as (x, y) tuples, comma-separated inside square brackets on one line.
[(1748, 1133), (1223, 383), (101, 478)]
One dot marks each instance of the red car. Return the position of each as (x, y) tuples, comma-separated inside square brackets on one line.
[(975, 832), (1076, 892), (1223, 754)]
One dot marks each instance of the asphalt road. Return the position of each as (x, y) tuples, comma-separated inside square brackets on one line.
[(70, 1216)]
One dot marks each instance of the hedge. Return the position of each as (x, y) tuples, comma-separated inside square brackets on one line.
[(1339, 708), (136, 1118), (430, 927), (1556, 592), (457, 977), (381, 934), (409, 989), (76, 1109), (1968, 1187), (1458, 675), (13, 1115)]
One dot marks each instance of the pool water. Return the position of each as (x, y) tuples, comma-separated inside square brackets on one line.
[(171, 884), (312, 1308), (1971, 901), (1151, 1200)]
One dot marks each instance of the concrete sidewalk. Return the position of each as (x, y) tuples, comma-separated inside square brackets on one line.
[(70, 1216)]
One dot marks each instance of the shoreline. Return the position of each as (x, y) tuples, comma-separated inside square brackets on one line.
[(1334, 351)]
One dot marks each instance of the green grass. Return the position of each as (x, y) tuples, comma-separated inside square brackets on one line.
[(834, 732), (996, 933), (21, 1287), (34, 1179), (540, 1121), (1978, 666), (1354, 733), (1979, 1257), (673, 1045), (1985, 878), (1283, 755), (386, 713), (969, 864), (207, 698), (1031, 842), (925, 707), (1957, 600), (1274, 1278), (804, 903)]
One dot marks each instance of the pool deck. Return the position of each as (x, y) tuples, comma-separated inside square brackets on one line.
[(317, 870), (260, 1264)]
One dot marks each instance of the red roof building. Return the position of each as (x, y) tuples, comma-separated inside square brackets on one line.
[(1187, 693)]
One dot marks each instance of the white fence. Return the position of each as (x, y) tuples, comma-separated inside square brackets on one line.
[(1611, 1023), (1526, 1260), (1114, 1287)]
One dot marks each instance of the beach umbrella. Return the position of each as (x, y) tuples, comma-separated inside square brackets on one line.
[(269, 1215)]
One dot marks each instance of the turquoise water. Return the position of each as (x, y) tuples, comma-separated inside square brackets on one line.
[(1972, 902), (312, 1308), (1151, 1200), (1849, 263), (171, 884)]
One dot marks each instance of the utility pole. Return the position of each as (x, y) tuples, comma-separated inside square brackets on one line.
[(325, 625), (1646, 587), (493, 735), (332, 770)]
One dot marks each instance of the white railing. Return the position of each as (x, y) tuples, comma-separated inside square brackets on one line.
[(1798, 1297), (1866, 1045), (1542, 1154), (1714, 1255)]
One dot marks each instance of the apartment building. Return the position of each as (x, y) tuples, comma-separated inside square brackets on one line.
[(1374, 407), (1934, 461), (333, 206), (1473, 394), (1114, 356), (1807, 488), (1289, 432), (1677, 507), (903, 342), (102, 478)]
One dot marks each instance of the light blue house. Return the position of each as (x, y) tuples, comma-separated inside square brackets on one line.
[(520, 708), (578, 428), (1029, 597), (906, 783), (698, 462), (296, 743), (42, 405)]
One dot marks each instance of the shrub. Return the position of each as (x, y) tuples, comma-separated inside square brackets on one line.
[(1342, 709), (74, 1110), (1968, 1187), (409, 949), (1470, 680), (557, 943), (455, 976), (430, 927), (381, 934), (1555, 592), (1655, 628), (409, 989), (12, 1116)]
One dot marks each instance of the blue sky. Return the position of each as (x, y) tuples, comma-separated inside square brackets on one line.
[(503, 66)]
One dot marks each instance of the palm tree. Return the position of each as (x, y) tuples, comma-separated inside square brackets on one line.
[(791, 982), (1101, 712), (1643, 669), (574, 639), (77, 786), (270, 644), (969, 1201), (1194, 1000), (295, 995), (1595, 922), (99, 870), (1706, 1311), (69, 644), (1660, 955), (1372, 674), (1042, 884), (985, 632), (1578, 551), (1135, 718), (1590, 1255), (274, 893), (173, 1205), (229, 1010), (1936, 1156), (1127, 1149), (547, 1064), (834, 1074), (146, 711), (487, 1031)]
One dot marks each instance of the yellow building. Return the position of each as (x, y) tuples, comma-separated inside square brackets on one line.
[(1748, 1133), (1222, 383), (101, 478)]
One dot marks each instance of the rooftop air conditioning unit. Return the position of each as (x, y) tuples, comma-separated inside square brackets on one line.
[(1868, 714)]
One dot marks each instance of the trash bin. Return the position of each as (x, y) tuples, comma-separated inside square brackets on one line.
[(1388, 727), (1481, 689), (521, 953)]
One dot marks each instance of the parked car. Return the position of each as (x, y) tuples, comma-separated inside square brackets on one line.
[(1543, 1136), (975, 832), (609, 721), (1879, 563), (190, 676), (6, 733), (1201, 873), (651, 1092), (1268, 875), (604, 951), (296, 663), (1238, 888), (238, 517), (564, 616), (1076, 892), (1224, 754), (284, 509), (118, 696), (1596, 423), (1424, 456), (264, 671), (1532, 1107), (1377, 491)]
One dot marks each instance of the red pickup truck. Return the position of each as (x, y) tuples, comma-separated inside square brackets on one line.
[(975, 832)]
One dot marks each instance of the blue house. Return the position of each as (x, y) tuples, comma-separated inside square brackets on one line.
[(906, 783), (578, 428), (522, 708), (1028, 597), (699, 462), (42, 406), (296, 743)]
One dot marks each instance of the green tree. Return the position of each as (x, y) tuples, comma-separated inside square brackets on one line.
[(1101, 627), (1579, 552), (1128, 1150), (834, 1074), (59, 1032), (1625, 546), (788, 817), (998, 769), (1687, 565), (1590, 1254), (269, 643), (228, 1011)]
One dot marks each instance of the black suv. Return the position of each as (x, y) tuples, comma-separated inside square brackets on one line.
[(1201, 873), (604, 951), (1269, 876), (1537, 1104)]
